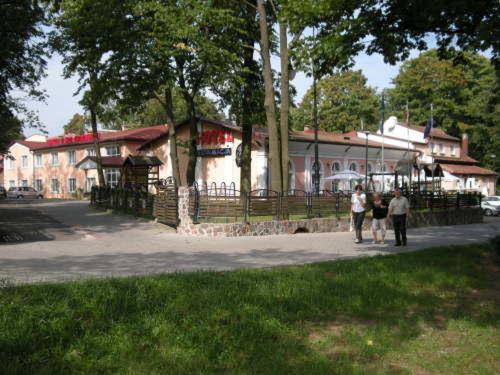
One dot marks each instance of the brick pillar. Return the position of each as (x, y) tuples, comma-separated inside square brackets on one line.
[(183, 206)]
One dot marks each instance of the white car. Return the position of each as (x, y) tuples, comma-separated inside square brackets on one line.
[(23, 192), (491, 205)]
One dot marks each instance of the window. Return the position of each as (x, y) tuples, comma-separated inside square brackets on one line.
[(432, 147), (72, 184), (38, 160), (38, 185), (54, 185), (11, 163), (315, 177), (91, 151), (291, 176), (452, 150), (353, 167), (12, 183), (113, 150), (112, 177), (89, 183), (369, 168), (335, 170), (441, 149), (24, 161), (54, 158), (24, 183), (72, 157)]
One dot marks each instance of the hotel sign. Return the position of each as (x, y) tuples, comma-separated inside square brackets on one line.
[(213, 152)]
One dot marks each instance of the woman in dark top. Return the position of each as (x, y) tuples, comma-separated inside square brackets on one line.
[(380, 208)]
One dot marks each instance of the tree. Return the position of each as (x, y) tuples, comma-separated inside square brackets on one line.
[(85, 33), (22, 64), (344, 99), (461, 93), (76, 125)]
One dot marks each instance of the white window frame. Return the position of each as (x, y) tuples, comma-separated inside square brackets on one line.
[(24, 161), (12, 183), (452, 150), (71, 157), (25, 183), (441, 149), (38, 184), (11, 163), (58, 187), (115, 173), (356, 165), (116, 148), (91, 151), (38, 160), (88, 186), (71, 189), (54, 161)]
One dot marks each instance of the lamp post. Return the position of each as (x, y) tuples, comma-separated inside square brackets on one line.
[(367, 133), (315, 125)]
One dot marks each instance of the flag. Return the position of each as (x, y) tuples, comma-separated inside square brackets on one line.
[(382, 114), (429, 126)]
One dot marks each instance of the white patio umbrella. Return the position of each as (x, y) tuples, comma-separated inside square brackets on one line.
[(345, 175)]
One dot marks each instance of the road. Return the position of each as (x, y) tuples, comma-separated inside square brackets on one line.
[(58, 241)]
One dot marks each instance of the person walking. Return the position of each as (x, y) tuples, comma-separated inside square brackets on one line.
[(399, 209), (358, 205), (379, 212)]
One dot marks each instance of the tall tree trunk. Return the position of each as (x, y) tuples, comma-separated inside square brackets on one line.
[(95, 136), (285, 104), (269, 105), (246, 113), (174, 158), (193, 132)]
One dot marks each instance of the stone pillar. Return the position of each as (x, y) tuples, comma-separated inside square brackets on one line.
[(183, 207)]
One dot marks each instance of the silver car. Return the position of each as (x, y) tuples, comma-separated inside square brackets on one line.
[(491, 205), (21, 192)]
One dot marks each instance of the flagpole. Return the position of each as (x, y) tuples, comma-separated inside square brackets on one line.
[(410, 170), (382, 128), (432, 149)]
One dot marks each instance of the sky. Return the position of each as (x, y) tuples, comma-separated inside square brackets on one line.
[(61, 103)]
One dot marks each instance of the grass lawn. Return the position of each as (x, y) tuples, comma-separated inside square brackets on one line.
[(429, 312)]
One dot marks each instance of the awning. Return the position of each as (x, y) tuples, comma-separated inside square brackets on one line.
[(142, 161)]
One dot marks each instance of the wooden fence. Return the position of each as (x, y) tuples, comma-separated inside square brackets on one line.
[(129, 201), (215, 204)]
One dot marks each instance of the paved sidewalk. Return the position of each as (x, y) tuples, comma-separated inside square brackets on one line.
[(90, 243)]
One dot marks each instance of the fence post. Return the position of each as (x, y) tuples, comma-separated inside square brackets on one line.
[(337, 205), (457, 203)]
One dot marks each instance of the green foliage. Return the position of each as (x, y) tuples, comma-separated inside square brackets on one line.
[(22, 64), (372, 315), (77, 124), (343, 100), (461, 88)]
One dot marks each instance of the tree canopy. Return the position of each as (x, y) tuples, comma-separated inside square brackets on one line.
[(344, 100), (77, 124), (461, 94), (22, 64)]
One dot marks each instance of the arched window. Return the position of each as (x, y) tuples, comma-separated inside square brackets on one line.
[(369, 168), (291, 175), (335, 170), (353, 167), (383, 168), (314, 177)]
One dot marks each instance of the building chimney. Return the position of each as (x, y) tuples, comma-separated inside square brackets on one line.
[(465, 145)]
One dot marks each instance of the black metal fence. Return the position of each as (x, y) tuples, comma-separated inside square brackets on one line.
[(131, 201), (226, 204)]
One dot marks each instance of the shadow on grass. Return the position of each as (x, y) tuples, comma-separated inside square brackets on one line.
[(249, 321)]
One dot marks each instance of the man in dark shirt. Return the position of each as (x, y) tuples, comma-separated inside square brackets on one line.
[(379, 213)]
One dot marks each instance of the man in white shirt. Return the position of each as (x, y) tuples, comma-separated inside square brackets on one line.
[(399, 209), (358, 205)]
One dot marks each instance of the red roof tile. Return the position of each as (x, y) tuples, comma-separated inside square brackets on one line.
[(464, 159), (467, 169), (132, 135), (435, 133)]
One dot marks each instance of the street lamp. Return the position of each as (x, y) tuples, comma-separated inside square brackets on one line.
[(315, 124)]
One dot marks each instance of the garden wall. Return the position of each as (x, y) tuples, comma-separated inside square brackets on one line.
[(417, 219)]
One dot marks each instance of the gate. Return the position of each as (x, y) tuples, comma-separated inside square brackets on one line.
[(166, 208)]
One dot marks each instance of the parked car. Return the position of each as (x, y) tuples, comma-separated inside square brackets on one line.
[(24, 192), (3, 192), (491, 205)]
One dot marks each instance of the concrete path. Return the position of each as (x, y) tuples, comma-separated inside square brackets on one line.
[(79, 242)]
